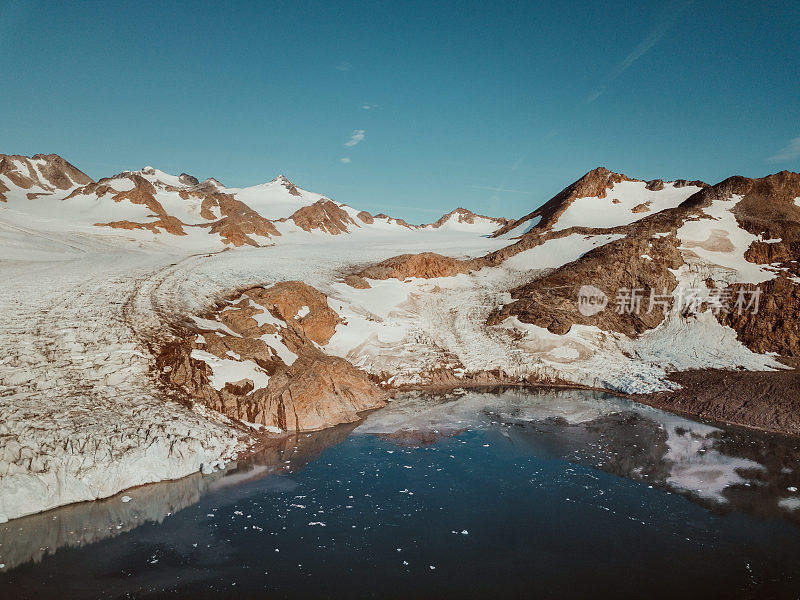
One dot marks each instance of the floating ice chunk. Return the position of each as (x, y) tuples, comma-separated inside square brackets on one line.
[(789, 503)]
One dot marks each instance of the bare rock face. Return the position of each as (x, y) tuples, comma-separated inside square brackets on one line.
[(325, 215), (257, 359), (425, 265), (50, 172), (187, 179), (655, 185), (142, 193), (366, 217), (551, 301), (165, 223), (238, 221), (775, 327), (679, 183), (296, 302), (60, 173), (320, 391), (236, 225), (357, 282), (641, 208), (768, 209)]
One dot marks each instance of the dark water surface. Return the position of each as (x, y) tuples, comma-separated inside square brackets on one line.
[(505, 493)]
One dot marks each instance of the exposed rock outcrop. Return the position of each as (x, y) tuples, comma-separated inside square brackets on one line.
[(187, 179), (48, 172), (425, 265), (366, 217), (357, 282), (238, 221), (324, 215), (258, 360)]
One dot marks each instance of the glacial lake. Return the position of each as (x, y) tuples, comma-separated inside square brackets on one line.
[(490, 494)]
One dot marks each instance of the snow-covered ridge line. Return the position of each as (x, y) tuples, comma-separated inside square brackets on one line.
[(156, 204)]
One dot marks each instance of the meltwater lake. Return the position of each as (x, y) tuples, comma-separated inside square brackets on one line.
[(473, 494)]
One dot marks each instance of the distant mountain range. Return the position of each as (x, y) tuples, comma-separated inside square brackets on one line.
[(180, 205)]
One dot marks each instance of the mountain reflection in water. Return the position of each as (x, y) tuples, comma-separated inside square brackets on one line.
[(725, 470)]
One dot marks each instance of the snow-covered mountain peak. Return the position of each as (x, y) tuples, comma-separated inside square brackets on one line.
[(462, 219), (41, 174), (157, 176), (602, 198), (213, 182)]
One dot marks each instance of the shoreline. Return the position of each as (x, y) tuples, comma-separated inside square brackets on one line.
[(665, 401)]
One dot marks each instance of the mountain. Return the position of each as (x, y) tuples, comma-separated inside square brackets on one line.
[(153, 202), (39, 175), (465, 220), (602, 198)]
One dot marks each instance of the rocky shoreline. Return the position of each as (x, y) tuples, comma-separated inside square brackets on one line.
[(766, 401)]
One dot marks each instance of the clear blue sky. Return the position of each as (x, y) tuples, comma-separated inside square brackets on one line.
[(463, 97)]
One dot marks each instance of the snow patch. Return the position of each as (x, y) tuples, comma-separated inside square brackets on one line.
[(719, 240), (558, 252), (231, 371), (605, 212), (274, 341)]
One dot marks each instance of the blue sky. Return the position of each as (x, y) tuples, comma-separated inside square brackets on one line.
[(495, 108)]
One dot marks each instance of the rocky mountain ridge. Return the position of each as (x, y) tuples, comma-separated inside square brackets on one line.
[(180, 205)]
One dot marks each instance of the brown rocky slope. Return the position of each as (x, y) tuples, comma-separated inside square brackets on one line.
[(269, 338)]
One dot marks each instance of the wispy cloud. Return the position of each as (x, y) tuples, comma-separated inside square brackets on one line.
[(345, 160), (368, 106), (343, 66), (356, 137), (497, 189), (640, 50), (788, 152)]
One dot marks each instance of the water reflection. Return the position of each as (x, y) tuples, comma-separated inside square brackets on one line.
[(725, 469), (33, 537)]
